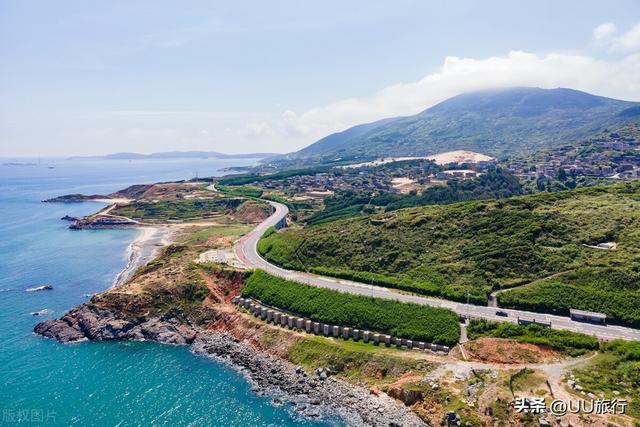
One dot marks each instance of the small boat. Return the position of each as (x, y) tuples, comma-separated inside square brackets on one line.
[(41, 312), (41, 288)]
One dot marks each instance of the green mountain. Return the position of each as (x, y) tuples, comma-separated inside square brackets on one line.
[(466, 250), (494, 122)]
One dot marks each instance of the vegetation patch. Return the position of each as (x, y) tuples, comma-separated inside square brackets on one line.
[(614, 372), (613, 291), (503, 350), (243, 191), (354, 360), (494, 184), (571, 343), (211, 235), (256, 178), (464, 251), (177, 209), (412, 321)]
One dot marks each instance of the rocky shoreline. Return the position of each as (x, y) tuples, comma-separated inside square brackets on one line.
[(77, 198), (90, 322), (312, 395)]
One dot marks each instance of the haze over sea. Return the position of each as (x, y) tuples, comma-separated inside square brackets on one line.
[(98, 383)]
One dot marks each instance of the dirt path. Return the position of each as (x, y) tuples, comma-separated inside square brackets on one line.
[(555, 371), (493, 300)]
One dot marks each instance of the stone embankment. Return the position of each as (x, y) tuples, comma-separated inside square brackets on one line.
[(293, 322)]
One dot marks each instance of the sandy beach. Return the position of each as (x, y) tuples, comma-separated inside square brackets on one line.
[(143, 249), (110, 200)]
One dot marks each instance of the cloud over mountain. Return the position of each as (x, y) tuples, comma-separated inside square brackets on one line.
[(617, 77)]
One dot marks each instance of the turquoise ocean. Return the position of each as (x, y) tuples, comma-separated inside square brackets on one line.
[(98, 383)]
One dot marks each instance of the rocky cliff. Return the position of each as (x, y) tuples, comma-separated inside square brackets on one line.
[(90, 322)]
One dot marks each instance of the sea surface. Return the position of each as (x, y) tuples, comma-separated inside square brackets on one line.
[(98, 383)]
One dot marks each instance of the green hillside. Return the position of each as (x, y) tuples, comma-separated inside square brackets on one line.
[(466, 250), (494, 122)]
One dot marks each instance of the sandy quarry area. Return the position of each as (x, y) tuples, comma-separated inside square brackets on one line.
[(457, 156)]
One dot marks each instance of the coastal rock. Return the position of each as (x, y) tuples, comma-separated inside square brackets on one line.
[(75, 198), (271, 375), (408, 397), (101, 221), (311, 395), (91, 322), (163, 331), (59, 330)]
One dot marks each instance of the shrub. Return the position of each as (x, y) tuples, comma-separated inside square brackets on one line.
[(412, 321), (243, 191), (571, 342)]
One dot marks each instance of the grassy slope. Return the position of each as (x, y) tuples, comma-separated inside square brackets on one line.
[(355, 360), (177, 209), (475, 247), (571, 343), (615, 369)]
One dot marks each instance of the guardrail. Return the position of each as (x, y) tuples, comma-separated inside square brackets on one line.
[(305, 325)]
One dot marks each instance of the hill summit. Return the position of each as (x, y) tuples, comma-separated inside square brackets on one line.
[(495, 122)]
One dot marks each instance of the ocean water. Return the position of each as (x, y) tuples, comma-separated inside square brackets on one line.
[(98, 384)]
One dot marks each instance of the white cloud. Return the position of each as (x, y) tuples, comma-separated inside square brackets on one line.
[(605, 35), (258, 130), (608, 66), (629, 41), (617, 78), (603, 31)]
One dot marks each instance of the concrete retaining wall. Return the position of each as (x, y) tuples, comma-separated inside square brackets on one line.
[(299, 323)]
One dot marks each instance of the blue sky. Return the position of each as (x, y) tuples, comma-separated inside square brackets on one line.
[(81, 77)]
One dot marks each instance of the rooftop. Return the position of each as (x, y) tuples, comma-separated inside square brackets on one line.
[(584, 313)]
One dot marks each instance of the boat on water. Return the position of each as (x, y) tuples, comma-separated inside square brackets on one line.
[(41, 288)]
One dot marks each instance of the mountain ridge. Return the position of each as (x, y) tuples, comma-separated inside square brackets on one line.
[(492, 121)]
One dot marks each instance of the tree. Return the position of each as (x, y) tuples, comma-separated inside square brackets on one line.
[(562, 175)]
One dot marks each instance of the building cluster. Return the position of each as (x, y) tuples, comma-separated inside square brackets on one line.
[(328, 181), (608, 157)]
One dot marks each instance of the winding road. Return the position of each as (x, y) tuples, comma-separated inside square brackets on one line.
[(246, 249)]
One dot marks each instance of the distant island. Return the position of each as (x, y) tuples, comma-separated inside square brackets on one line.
[(176, 155)]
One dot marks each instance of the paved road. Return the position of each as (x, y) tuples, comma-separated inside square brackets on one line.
[(246, 251)]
